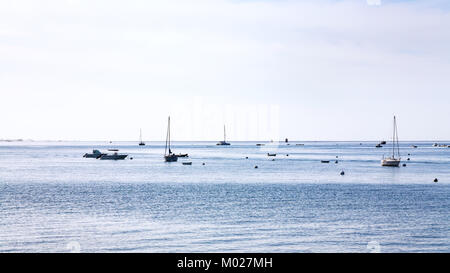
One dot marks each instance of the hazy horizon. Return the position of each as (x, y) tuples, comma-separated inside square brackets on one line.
[(313, 70), (281, 141)]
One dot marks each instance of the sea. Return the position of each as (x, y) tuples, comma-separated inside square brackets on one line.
[(231, 199)]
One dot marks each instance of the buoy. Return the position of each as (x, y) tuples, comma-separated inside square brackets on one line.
[(246, 157), (273, 159), (337, 156), (203, 163), (404, 165), (336, 162), (256, 167), (287, 155), (342, 173), (408, 159), (436, 180), (131, 158)]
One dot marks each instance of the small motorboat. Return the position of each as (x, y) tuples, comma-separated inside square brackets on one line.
[(383, 142), (260, 144), (435, 145), (414, 146), (269, 154), (113, 156), (95, 154), (182, 155), (378, 146), (325, 161), (187, 163)]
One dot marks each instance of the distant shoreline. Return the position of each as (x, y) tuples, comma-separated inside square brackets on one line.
[(199, 141)]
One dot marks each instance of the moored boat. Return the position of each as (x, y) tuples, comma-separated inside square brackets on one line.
[(224, 142), (168, 155), (393, 161), (94, 154), (113, 156), (141, 143)]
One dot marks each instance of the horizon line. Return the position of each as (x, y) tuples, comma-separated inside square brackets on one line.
[(262, 141)]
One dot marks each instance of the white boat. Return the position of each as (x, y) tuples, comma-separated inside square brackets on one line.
[(393, 161), (224, 142), (168, 155)]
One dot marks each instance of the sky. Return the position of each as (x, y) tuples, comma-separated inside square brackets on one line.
[(303, 70)]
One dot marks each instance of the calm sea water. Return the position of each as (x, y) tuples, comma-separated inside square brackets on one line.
[(54, 200)]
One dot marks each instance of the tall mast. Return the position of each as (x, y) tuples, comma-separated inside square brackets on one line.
[(393, 141), (167, 137), (396, 136), (224, 134)]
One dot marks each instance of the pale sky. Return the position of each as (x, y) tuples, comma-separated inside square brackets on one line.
[(306, 70)]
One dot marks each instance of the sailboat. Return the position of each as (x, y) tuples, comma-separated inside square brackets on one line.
[(141, 143), (393, 161), (224, 142), (168, 155)]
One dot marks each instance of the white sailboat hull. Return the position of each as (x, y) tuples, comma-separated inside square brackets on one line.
[(390, 162)]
